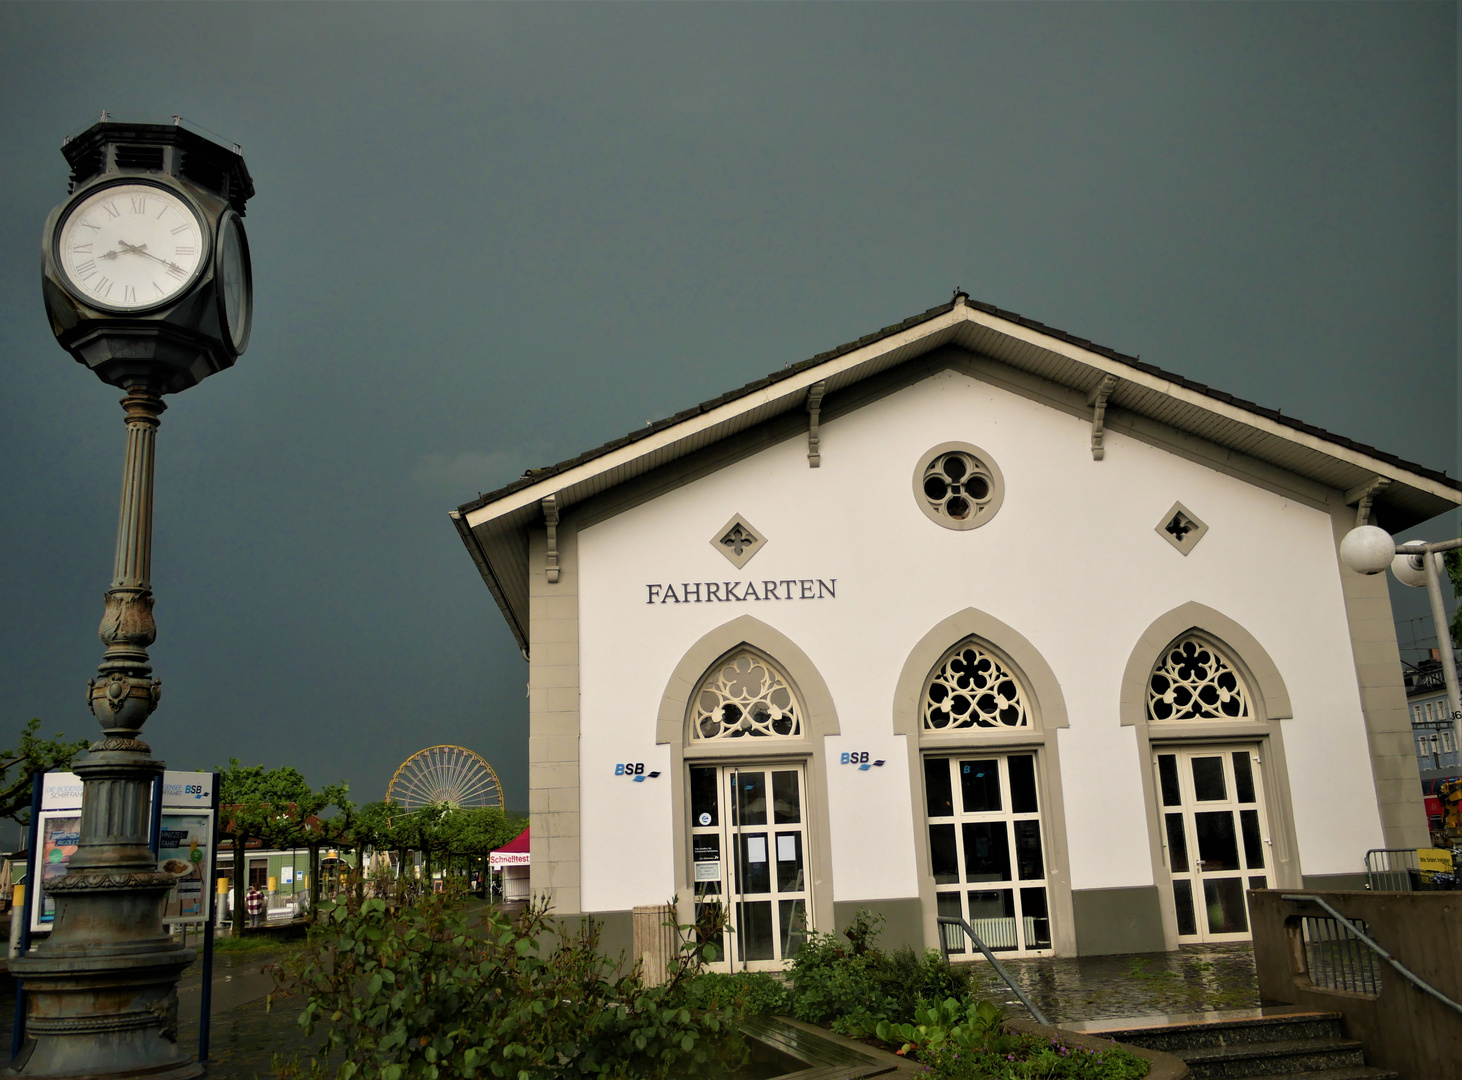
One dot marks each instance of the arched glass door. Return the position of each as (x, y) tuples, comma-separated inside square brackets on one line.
[(749, 857), (1215, 837)]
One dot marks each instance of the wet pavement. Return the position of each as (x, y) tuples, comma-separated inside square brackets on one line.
[(1196, 978), (248, 1042), (246, 1039)]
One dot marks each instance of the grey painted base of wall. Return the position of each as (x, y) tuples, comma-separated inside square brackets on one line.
[(1118, 921), (903, 920), (1335, 882), (616, 935)]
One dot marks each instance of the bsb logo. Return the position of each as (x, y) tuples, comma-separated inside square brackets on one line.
[(860, 759), (635, 770)]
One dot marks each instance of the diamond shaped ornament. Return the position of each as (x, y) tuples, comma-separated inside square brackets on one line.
[(1181, 528), (738, 541)]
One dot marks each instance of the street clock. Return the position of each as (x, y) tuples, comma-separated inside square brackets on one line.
[(145, 267)]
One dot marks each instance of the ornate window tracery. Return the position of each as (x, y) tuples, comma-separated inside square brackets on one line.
[(745, 696), (1193, 680), (958, 485), (972, 689)]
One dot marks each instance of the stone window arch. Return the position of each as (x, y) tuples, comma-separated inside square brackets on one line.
[(973, 688), (745, 695), (1197, 678)]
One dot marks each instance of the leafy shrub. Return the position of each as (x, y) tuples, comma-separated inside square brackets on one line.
[(746, 993), (1031, 1057), (855, 986), (967, 1026), (965, 1040), (420, 995)]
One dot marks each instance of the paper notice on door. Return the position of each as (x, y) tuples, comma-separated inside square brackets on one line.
[(786, 848), (756, 849), (708, 871)]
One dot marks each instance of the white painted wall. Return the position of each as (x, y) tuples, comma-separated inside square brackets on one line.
[(1071, 562)]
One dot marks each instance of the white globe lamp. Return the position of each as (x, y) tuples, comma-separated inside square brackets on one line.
[(1410, 570), (1367, 549)]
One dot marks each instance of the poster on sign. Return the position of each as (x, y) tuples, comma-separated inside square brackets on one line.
[(183, 851), (185, 842), (185, 845), (58, 834)]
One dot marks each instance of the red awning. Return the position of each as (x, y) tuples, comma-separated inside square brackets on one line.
[(513, 853)]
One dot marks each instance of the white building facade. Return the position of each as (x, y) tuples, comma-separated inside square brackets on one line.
[(968, 619)]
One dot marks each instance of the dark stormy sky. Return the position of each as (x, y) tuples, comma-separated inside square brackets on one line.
[(487, 237)]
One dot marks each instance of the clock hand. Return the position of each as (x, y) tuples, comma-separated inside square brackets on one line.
[(139, 249)]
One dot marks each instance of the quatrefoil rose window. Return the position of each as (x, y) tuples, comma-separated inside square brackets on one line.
[(958, 486), (1194, 681), (745, 696), (972, 689)]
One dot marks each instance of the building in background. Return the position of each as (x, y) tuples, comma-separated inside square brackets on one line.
[(1432, 730), (970, 619)]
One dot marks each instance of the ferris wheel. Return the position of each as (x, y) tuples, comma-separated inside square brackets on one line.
[(450, 775)]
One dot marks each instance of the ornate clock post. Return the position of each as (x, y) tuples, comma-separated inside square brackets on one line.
[(146, 279)]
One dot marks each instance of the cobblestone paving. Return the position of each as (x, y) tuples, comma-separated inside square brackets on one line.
[(1197, 978)]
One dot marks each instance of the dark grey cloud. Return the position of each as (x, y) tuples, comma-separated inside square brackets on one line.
[(487, 237)]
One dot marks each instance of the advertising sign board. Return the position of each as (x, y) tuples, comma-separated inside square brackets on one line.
[(58, 834), (185, 842)]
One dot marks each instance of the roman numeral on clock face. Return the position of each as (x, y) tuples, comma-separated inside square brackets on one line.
[(175, 271), (139, 204), (86, 269), (179, 229), (81, 249), (187, 249), (111, 208), (129, 294), (103, 286)]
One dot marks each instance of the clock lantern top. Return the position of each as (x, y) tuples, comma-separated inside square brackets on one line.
[(145, 266)]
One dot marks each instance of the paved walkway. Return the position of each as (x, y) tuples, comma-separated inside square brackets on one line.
[(1197, 978), (246, 1040)]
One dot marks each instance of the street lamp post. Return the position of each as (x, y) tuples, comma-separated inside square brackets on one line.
[(146, 280), (1369, 549)]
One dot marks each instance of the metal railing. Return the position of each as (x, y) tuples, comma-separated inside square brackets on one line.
[(1399, 870), (950, 925), (1358, 933), (1337, 959), (1390, 869)]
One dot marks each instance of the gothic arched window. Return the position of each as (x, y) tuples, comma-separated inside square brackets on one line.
[(745, 696), (1193, 680), (972, 689)]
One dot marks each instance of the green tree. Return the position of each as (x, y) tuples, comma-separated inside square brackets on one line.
[(272, 806), (32, 754), (1452, 560)]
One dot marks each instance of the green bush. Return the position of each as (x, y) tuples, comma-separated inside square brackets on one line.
[(746, 993), (852, 987), (965, 1040), (1031, 1057), (419, 995)]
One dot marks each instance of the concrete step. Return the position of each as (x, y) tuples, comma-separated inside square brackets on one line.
[(1345, 1072), (1243, 1028), (1271, 1058)]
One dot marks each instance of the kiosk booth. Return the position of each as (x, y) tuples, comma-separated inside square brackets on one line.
[(512, 859)]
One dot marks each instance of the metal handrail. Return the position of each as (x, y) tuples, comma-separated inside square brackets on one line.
[(953, 920), (1374, 946)]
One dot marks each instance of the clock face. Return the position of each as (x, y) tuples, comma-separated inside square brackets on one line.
[(235, 280), (130, 246)]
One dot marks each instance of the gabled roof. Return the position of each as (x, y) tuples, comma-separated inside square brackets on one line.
[(494, 526)]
